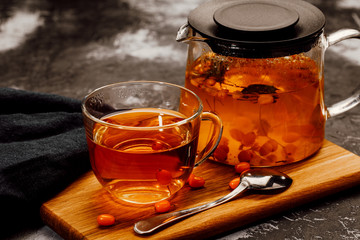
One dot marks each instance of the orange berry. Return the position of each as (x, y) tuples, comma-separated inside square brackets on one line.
[(245, 156), (255, 147), (224, 141), (196, 182), (249, 139), (272, 158), (265, 149), (224, 147), (290, 149), (222, 93), (274, 144), (268, 147), (265, 99), (236, 134), (162, 206), (105, 219), (307, 130), (210, 81), (220, 155), (242, 166), (291, 137), (234, 183), (221, 152), (157, 146), (163, 176), (191, 176), (265, 127)]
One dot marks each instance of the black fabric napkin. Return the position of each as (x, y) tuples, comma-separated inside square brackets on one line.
[(42, 150)]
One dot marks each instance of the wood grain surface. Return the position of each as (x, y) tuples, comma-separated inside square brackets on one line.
[(72, 213)]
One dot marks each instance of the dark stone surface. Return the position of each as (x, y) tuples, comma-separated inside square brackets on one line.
[(70, 47)]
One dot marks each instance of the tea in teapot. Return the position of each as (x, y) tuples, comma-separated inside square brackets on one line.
[(259, 65)]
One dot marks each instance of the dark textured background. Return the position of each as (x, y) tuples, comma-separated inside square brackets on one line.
[(70, 47)]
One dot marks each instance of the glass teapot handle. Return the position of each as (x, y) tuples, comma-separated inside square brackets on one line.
[(354, 99)]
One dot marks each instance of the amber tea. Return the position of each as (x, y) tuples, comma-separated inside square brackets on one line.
[(141, 164), (143, 139), (272, 109)]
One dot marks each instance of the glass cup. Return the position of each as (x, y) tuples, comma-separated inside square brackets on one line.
[(143, 138)]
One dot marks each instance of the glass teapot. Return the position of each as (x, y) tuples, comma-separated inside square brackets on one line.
[(259, 64)]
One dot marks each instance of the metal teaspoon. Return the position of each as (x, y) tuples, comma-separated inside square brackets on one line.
[(263, 179)]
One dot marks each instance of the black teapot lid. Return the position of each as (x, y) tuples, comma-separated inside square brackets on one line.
[(258, 28)]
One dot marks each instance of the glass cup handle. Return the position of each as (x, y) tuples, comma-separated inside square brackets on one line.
[(214, 139), (354, 99)]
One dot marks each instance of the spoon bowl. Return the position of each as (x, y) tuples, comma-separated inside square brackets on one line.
[(266, 179), (262, 179)]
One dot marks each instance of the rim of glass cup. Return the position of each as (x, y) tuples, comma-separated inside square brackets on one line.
[(97, 120)]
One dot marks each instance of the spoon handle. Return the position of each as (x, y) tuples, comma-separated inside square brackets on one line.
[(151, 224)]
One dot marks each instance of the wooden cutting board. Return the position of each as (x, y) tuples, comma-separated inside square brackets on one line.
[(72, 213)]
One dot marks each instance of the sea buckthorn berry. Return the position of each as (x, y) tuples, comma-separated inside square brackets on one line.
[(290, 150), (221, 152), (255, 147), (224, 147), (224, 141), (162, 206), (196, 182), (220, 156), (157, 145), (245, 123), (245, 156), (307, 130), (210, 81), (274, 144), (236, 134), (195, 83), (272, 158), (265, 99), (163, 176), (265, 149), (249, 139), (268, 147), (222, 93), (191, 176), (105, 219), (265, 127), (291, 137), (234, 183), (242, 166)]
